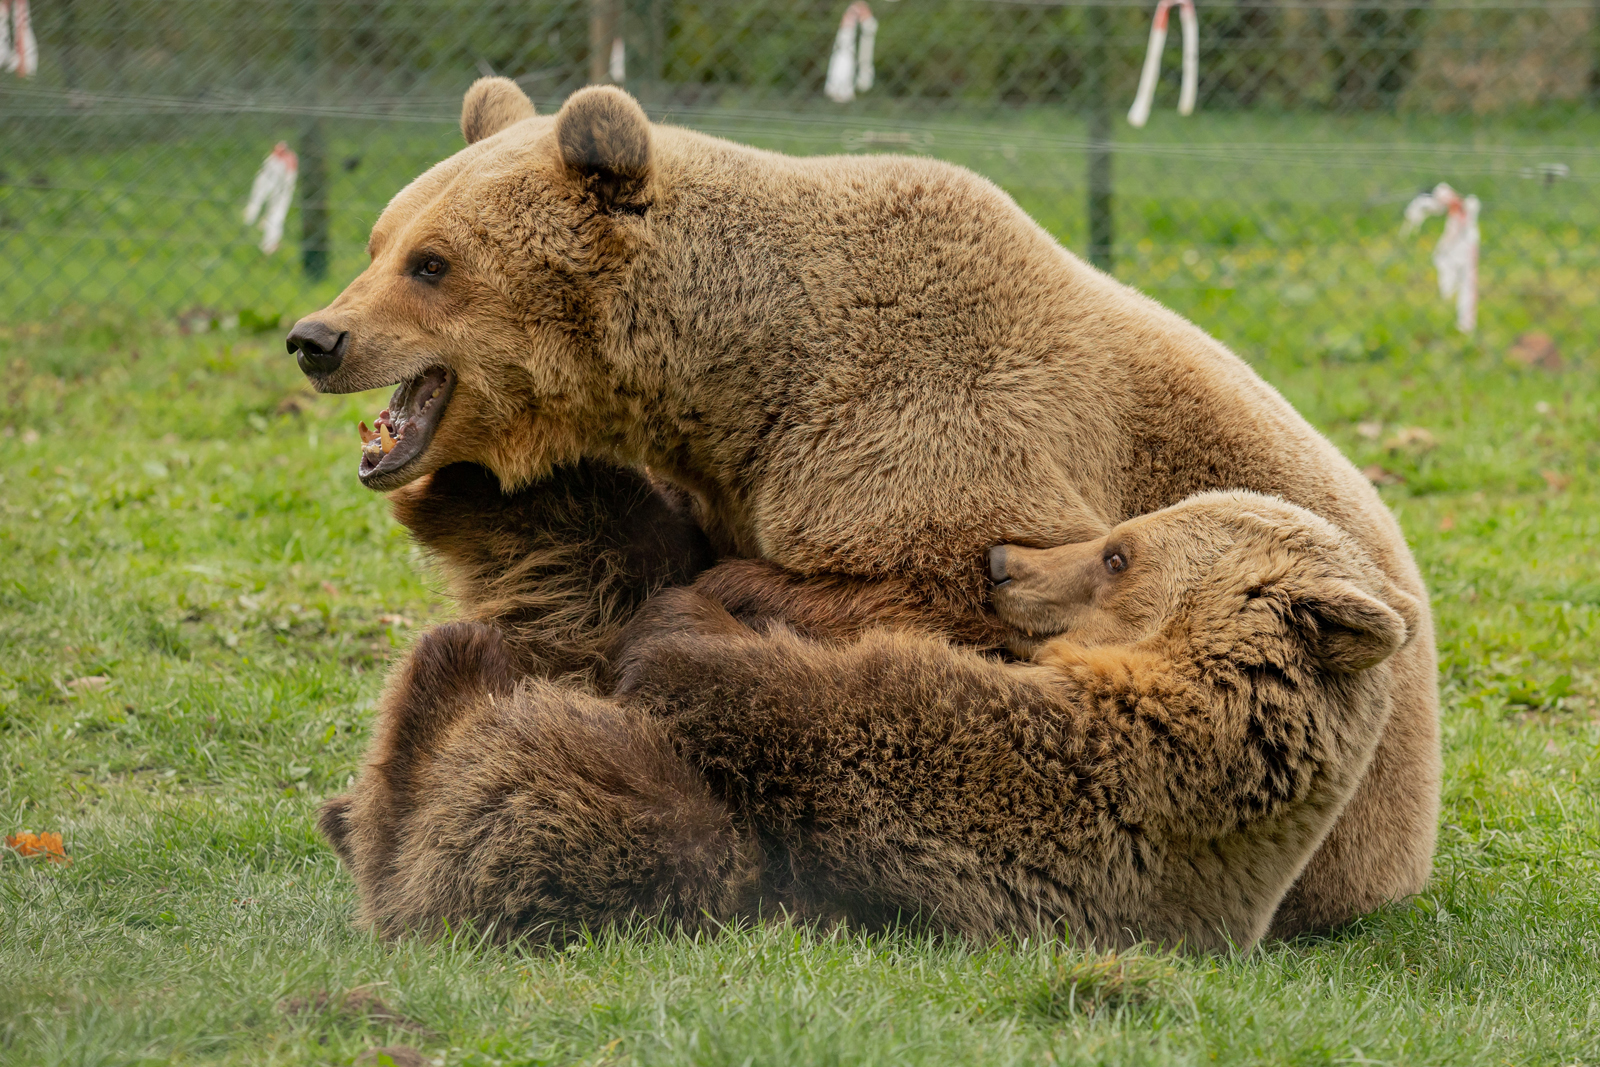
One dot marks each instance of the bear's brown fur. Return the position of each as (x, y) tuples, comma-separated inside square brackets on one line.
[(874, 367), (1163, 771), (531, 810), (560, 565)]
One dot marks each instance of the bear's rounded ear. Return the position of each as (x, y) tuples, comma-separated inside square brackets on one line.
[(1349, 630), (334, 822), (604, 139), (492, 104)]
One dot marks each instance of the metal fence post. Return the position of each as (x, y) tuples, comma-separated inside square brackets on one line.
[(1594, 55), (1097, 71), (658, 49), (69, 44), (313, 181)]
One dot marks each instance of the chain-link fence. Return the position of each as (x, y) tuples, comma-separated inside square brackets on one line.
[(127, 157)]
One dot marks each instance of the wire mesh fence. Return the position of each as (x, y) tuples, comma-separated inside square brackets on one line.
[(128, 155)]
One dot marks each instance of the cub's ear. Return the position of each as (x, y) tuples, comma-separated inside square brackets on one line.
[(492, 104), (604, 139), (1349, 630), (334, 822)]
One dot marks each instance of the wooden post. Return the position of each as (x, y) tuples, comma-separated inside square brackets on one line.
[(1098, 70), (605, 25), (658, 51), (313, 180)]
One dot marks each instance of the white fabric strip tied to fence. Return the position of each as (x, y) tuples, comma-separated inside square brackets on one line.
[(1139, 113), (271, 195), (850, 65), (618, 66), (19, 50), (1456, 256)]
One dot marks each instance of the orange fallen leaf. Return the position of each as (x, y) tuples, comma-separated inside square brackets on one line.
[(1536, 349), (1555, 480), (394, 620), (1447, 524), (47, 845), (93, 682)]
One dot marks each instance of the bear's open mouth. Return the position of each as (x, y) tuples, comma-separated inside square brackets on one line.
[(402, 431)]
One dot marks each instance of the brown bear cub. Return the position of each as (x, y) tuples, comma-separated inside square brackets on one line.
[(460, 777), (1203, 691), (559, 566)]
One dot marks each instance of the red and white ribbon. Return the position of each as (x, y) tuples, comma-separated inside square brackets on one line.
[(19, 50), (1456, 257), (850, 65), (1139, 113), (272, 194)]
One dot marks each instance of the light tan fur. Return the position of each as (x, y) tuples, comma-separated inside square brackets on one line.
[(1161, 772), (871, 366)]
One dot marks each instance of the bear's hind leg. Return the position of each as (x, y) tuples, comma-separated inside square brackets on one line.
[(448, 672), (558, 812), (1380, 851)]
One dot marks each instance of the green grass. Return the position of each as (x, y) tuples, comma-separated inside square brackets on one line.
[(177, 517)]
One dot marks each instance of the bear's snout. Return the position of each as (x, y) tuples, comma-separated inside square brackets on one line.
[(1040, 591), (317, 347)]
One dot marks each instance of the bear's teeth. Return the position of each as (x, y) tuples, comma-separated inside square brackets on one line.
[(367, 436), (387, 441)]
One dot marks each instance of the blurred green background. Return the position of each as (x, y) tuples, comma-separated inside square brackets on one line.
[(126, 161)]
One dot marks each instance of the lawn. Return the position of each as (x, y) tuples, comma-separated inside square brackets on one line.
[(198, 602)]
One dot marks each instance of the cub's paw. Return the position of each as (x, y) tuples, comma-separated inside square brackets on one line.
[(680, 611), (668, 624)]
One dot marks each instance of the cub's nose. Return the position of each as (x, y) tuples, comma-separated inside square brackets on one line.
[(316, 347), (997, 564)]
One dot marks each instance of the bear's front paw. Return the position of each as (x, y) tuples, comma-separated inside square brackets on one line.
[(656, 631), (680, 610)]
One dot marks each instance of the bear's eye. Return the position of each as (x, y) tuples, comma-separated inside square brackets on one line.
[(432, 267), (1115, 563)]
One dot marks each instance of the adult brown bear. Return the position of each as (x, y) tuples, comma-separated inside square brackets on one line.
[(874, 367)]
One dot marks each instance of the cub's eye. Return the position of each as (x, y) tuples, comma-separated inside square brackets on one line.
[(431, 268), (1115, 563)]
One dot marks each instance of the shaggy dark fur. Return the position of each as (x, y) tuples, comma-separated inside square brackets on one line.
[(559, 566), (529, 809), (840, 607)]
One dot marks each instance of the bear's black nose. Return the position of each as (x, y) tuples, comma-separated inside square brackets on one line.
[(317, 348)]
